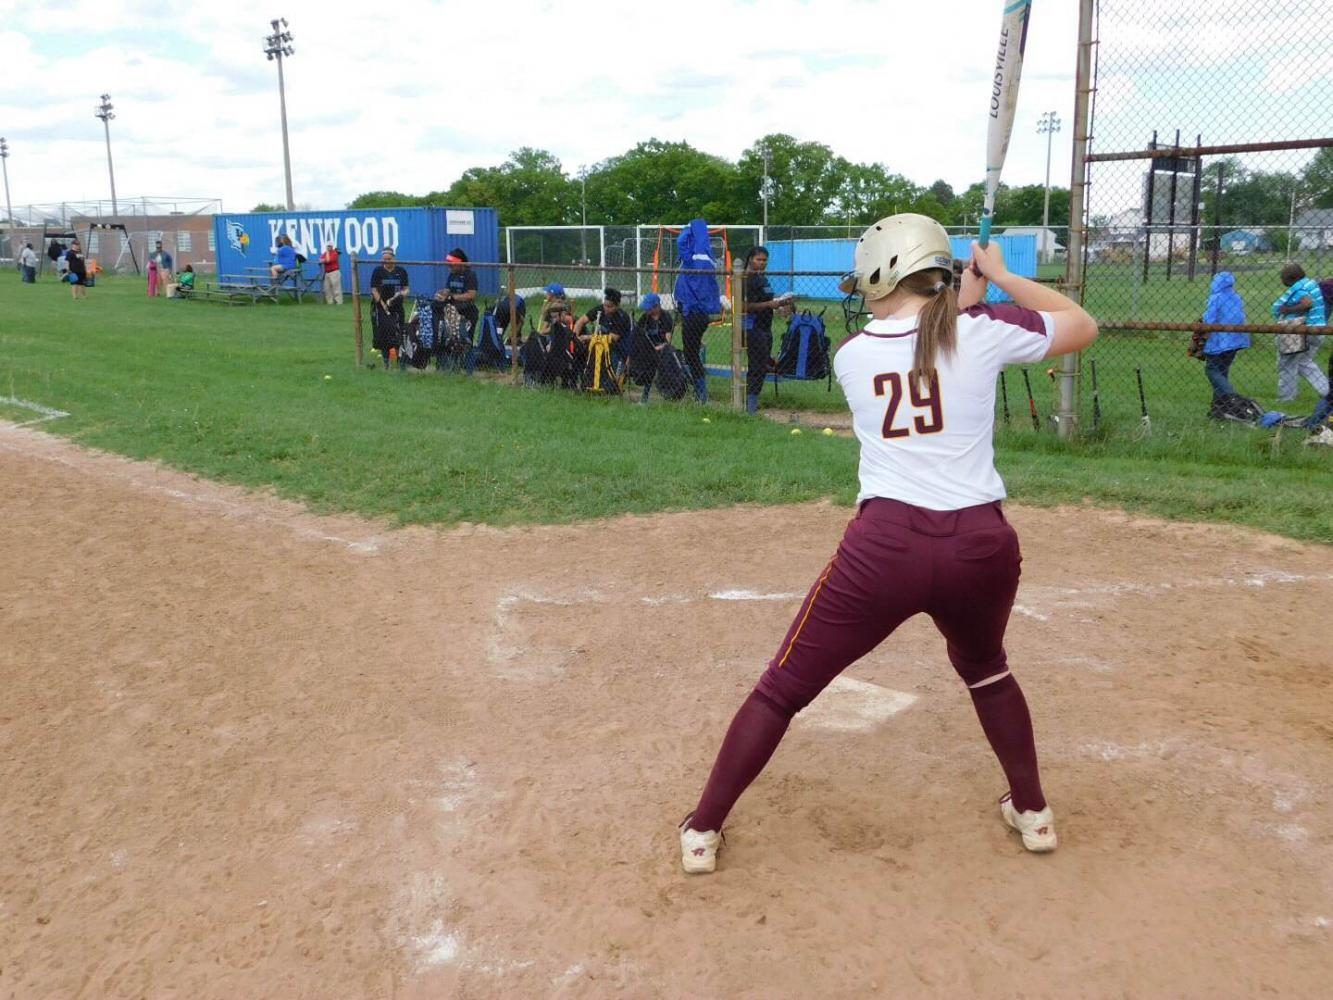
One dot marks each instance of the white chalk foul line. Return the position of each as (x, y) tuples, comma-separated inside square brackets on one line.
[(47, 413), (124, 471)]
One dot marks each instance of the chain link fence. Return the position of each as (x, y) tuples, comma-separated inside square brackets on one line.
[(1209, 189)]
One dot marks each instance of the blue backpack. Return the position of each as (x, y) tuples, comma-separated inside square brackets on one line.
[(805, 352)]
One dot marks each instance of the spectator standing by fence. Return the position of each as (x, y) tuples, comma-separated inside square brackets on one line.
[(77, 271), (28, 264), (1301, 305), (165, 266), (388, 288), (1219, 350), (760, 303), (55, 250), (333, 275), (697, 298), (460, 289)]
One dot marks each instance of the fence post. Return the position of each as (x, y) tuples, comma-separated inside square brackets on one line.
[(1075, 252), (514, 322), (356, 313), (737, 332)]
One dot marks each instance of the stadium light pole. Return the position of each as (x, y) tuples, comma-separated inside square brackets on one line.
[(764, 191), (4, 163), (1049, 124), (583, 214), (105, 113), (279, 46), (1291, 219)]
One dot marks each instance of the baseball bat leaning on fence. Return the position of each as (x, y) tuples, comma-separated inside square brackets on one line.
[(1146, 421), (1096, 400), (1003, 101), (1032, 403), (1004, 396)]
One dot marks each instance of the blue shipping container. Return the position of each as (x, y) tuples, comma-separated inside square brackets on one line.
[(246, 242), (835, 257)]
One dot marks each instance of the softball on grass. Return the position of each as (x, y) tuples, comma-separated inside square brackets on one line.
[(708, 420), (828, 432), (796, 430), (328, 378)]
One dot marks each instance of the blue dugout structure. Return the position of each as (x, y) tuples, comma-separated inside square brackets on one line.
[(246, 241)]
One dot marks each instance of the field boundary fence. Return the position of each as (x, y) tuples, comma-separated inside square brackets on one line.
[(1202, 168)]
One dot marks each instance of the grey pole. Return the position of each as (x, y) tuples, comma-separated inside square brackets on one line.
[(279, 46), (1049, 124), (1074, 253), (764, 189), (105, 113), (4, 164)]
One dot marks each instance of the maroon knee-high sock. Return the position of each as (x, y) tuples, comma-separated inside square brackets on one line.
[(1003, 712), (754, 734)]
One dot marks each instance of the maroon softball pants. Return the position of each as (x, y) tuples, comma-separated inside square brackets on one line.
[(960, 567), (895, 561)]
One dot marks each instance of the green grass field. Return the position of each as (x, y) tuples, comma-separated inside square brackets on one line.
[(241, 395)]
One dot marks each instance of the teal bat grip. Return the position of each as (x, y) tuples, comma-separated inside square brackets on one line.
[(984, 239)]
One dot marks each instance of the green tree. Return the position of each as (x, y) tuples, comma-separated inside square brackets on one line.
[(943, 192), (264, 206), (528, 189), (661, 182), (805, 180), (1022, 206), (1317, 179), (1250, 199), (870, 192), (384, 199)]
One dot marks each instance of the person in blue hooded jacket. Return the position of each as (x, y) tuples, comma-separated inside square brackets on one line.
[(697, 298), (1225, 307)]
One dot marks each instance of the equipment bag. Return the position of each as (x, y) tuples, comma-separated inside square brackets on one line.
[(805, 349), (491, 349), (673, 375)]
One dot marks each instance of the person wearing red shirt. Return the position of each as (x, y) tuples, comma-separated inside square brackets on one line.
[(333, 276)]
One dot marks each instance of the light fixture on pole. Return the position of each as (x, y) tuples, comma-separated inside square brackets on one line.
[(104, 112), (279, 46), (4, 163), (1048, 125)]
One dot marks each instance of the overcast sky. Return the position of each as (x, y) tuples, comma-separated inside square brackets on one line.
[(407, 95)]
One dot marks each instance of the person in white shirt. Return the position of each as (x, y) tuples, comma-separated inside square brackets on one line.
[(929, 535), (28, 264)]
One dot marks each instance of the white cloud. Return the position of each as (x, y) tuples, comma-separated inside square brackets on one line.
[(408, 96)]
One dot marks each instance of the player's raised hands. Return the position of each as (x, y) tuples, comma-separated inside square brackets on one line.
[(989, 260)]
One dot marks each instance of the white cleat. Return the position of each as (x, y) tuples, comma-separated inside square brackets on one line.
[(1037, 828), (698, 849)]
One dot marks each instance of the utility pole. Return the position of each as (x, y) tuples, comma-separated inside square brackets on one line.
[(1048, 124), (4, 163), (764, 190), (105, 113), (583, 214), (1291, 219), (279, 46)]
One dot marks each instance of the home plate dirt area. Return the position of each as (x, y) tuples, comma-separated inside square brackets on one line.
[(246, 751)]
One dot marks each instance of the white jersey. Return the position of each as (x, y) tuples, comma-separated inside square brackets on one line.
[(930, 446)]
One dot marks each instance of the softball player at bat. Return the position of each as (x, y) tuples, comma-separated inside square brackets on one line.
[(929, 535)]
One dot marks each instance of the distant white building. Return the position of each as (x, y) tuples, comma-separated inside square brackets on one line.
[(1048, 240), (1314, 229)]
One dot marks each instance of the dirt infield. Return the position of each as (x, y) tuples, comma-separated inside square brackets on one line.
[(250, 752)]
